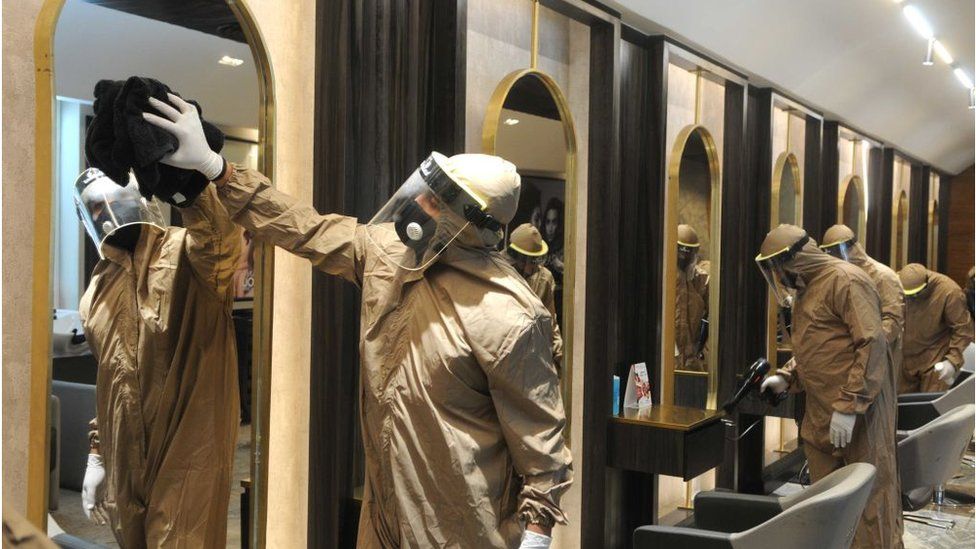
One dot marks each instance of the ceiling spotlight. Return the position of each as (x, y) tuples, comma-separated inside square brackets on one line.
[(928, 53), (511, 121), (230, 61), (942, 52), (918, 21), (963, 78)]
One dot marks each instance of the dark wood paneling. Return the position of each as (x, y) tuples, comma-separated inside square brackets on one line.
[(961, 232), (389, 89), (945, 186), (672, 452), (813, 176), (208, 16), (879, 206), (829, 175), (918, 215), (601, 334)]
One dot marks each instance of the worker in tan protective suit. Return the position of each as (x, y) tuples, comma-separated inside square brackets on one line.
[(461, 412), (841, 361), (938, 329), (840, 242), (157, 316), (690, 303), (527, 253)]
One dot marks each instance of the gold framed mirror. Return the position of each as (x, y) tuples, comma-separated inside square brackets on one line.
[(251, 143), (690, 330), (852, 206), (786, 206), (899, 236), (528, 122)]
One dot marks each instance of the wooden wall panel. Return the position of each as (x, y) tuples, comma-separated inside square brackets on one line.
[(829, 174), (813, 178), (960, 231), (879, 204), (389, 90), (944, 216), (918, 215)]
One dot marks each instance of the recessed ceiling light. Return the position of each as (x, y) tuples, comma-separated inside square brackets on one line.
[(963, 78), (230, 61), (511, 121), (928, 53), (942, 52), (918, 21)]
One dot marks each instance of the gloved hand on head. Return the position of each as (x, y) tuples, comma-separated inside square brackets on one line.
[(946, 371), (842, 429), (775, 383), (183, 121), (93, 490), (533, 540)]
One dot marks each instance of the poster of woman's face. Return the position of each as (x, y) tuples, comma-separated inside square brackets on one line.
[(542, 203)]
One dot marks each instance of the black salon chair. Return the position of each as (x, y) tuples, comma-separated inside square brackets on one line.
[(918, 409), (929, 456), (823, 516)]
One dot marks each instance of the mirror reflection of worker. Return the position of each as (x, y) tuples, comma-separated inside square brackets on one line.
[(840, 242), (157, 315), (690, 303), (938, 329), (461, 410), (841, 361), (527, 253)]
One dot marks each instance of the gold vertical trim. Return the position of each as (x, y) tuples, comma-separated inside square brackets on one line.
[(534, 60), (38, 450), (489, 137), (699, 93)]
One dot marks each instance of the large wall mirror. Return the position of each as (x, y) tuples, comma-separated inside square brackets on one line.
[(901, 183), (209, 51), (528, 122), (785, 207), (933, 221), (695, 181)]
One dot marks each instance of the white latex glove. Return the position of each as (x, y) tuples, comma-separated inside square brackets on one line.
[(532, 540), (841, 429), (92, 492), (183, 121), (946, 371), (775, 383)]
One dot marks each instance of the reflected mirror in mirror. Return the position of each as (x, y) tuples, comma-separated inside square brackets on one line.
[(901, 233), (694, 247), (172, 407)]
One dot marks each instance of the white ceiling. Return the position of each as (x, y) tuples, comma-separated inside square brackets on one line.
[(93, 42), (858, 61)]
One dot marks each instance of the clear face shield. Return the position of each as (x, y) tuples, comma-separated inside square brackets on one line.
[(840, 250), (780, 279), (687, 255), (105, 207), (428, 212)]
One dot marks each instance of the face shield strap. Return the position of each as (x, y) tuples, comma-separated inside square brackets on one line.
[(481, 219)]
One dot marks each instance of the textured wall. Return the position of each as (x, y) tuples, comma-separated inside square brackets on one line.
[(290, 37), (498, 42), (959, 243), (18, 222)]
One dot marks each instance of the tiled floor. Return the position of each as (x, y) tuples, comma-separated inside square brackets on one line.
[(962, 535), (72, 520)]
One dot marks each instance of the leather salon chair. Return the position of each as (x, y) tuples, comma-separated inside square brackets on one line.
[(823, 516), (928, 457), (918, 409)]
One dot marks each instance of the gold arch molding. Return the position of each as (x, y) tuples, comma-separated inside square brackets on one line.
[(671, 259), (862, 214), (489, 138), (40, 356)]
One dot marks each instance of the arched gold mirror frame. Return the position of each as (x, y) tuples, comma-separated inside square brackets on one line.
[(670, 259), (489, 138), (862, 214), (785, 161), (40, 349), (934, 235)]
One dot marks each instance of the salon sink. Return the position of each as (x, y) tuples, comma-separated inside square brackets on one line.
[(67, 334)]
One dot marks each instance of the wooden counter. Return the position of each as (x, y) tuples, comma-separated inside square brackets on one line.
[(666, 440)]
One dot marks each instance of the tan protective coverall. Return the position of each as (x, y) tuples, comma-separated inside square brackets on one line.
[(843, 364), (937, 327), (462, 417), (887, 283), (690, 307), (543, 285), (19, 533), (159, 323)]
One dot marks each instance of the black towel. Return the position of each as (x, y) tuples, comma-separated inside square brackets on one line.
[(120, 139)]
